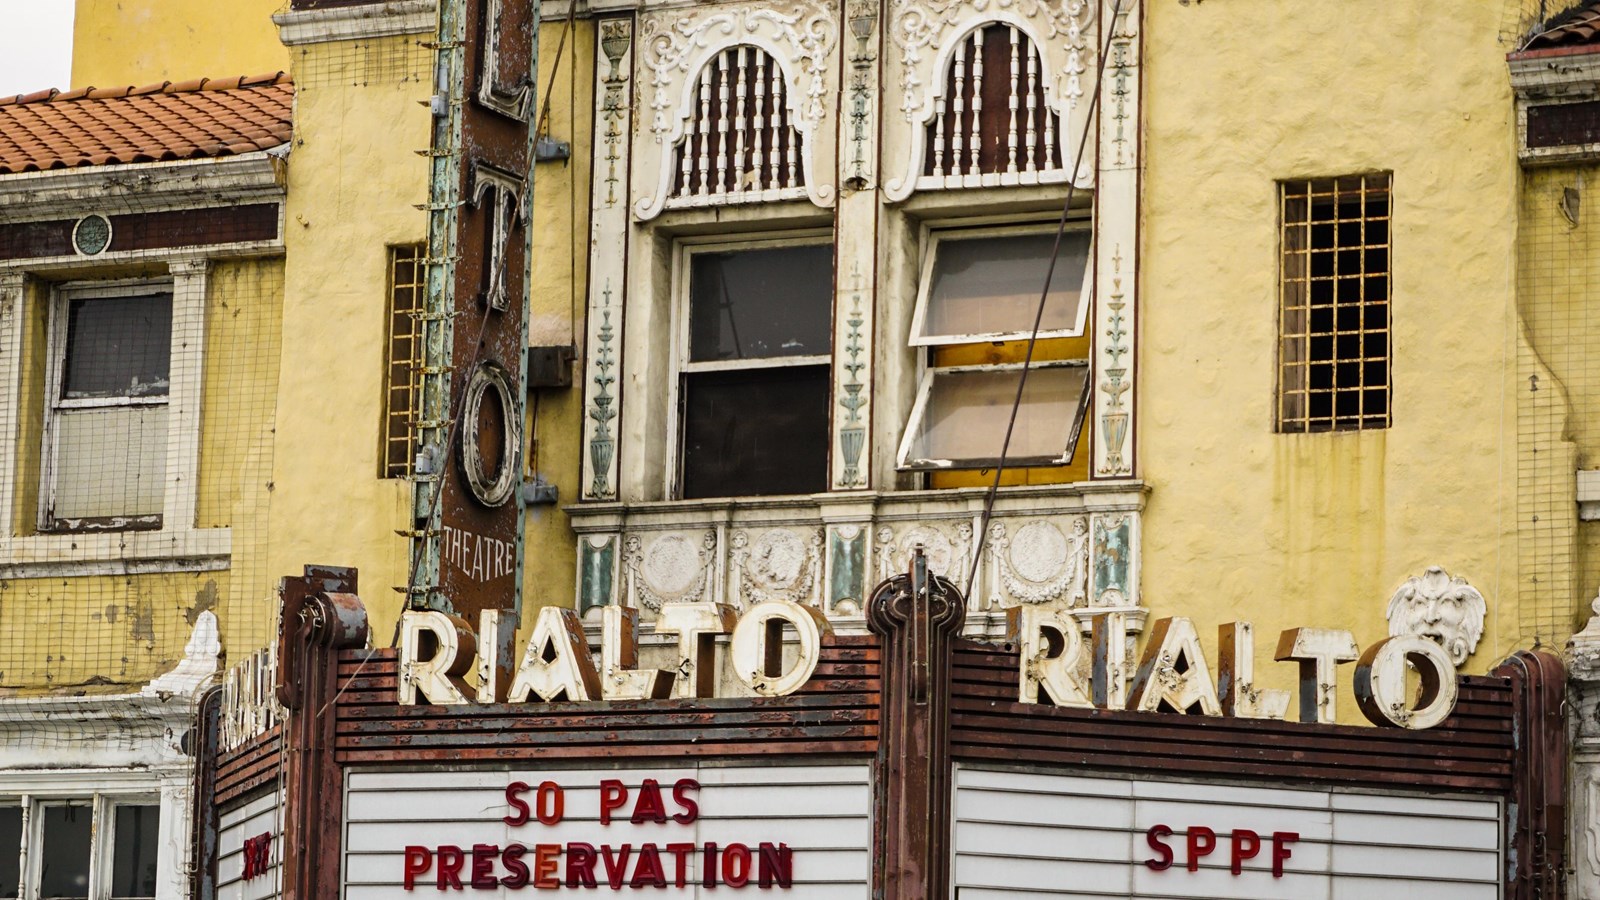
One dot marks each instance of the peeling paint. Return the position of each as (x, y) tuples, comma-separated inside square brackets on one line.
[(142, 621), (204, 599)]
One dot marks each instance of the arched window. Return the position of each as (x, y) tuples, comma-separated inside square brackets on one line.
[(992, 117), (740, 143)]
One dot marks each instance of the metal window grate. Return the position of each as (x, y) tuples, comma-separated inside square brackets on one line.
[(402, 377), (1333, 353)]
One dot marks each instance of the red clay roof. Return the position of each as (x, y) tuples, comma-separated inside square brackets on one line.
[(156, 123), (1576, 27)]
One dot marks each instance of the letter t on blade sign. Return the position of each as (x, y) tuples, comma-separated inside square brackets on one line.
[(697, 626), (1319, 651)]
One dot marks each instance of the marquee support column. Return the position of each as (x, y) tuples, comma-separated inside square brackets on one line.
[(321, 616), (917, 615), (1536, 819)]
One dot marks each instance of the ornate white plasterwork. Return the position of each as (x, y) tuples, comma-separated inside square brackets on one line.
[(948, 547), (927, 33), (672, 567), (199, 663), (779, 564), (801, 37), (1039, 562), (1444, 609)]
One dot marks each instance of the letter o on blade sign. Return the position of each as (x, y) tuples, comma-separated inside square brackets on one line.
[(1381, 689), (491, 489), (757, 646)]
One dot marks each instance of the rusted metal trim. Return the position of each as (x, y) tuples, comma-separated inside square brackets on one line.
[(203, 848), (918, 616), (1536, 817), (321, 615)]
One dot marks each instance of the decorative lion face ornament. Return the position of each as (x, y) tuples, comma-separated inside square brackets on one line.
[(1443, 609)]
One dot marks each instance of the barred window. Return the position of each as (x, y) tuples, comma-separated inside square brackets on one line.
[(1333, 351), (403, 367), (107, 416)]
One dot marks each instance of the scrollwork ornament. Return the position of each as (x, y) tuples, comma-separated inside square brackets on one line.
[(801, 36)]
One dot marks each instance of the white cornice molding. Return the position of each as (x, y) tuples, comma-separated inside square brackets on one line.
[(67, 193), (318, 26), (1538, 76)]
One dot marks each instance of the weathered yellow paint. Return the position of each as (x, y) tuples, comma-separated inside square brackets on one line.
[(116, 42), (60, 633), (102, 630), (30, 434), (1558, 389), (560, 262), (350, 197), (244, 309), (1290, 530)]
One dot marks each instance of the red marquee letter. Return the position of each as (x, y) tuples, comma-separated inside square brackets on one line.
[(1280, 850), (736, 865), (649, 807), (549, 804), (613, 795), (580, 864), (418, 861), (1202, 841), (546, 860), (483, 867), (519, 807), (1163, 858), (449, 874), (680, 796), (1246, 844), (517, 870)]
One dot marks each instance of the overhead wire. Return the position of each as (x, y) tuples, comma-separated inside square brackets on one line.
[(1044, 295)]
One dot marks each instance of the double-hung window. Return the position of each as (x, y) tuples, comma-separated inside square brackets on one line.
[(106, 409), (755, 323), (977, 302), (88, 848)]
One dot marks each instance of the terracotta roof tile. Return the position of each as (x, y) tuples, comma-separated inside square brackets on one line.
[(1576, 27), (167, 121)]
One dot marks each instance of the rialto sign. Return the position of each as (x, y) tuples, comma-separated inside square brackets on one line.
[(437, 651)]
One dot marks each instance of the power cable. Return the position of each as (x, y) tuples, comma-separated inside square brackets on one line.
[(1044, 295)]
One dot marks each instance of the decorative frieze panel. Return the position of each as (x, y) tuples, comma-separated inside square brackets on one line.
[(1116, 242), (991, 92), (739, 105), (1045, 546), (608, 231)]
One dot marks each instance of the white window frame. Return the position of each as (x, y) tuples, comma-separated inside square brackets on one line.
[(177, 546), (102, 842), (54, 404), (933, 235), (682, 252), (903, 458)]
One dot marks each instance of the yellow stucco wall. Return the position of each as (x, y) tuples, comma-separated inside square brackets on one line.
[(89, 631), (1319, 530), (1559, 387), (560, 260), (116, 42), (355, 180)]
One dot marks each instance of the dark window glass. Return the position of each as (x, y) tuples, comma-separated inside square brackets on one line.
[(760, 304), (118, 347), (133, 862), (10, 852), (65, 863), (757, 431)]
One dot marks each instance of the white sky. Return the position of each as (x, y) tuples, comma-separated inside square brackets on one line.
[(35, 45)]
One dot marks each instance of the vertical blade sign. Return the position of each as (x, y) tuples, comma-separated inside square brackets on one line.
[(470, 467)]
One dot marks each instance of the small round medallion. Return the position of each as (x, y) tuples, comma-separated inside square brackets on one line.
[(92, 235)]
